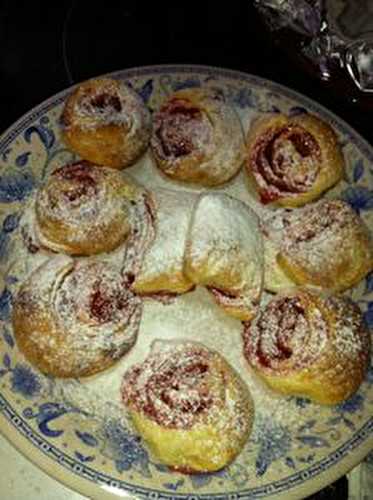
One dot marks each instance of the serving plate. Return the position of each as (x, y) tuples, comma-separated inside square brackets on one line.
[(76, 430)]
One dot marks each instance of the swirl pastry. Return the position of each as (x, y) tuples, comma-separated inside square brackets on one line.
[(162, 267), (325, 244), (83, 209), (75, 318), (293, 160), (198, 138), (306, 344), (106, 122), (188, 404), (225, 253)]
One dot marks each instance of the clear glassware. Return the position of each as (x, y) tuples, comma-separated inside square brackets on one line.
[(333, 39)]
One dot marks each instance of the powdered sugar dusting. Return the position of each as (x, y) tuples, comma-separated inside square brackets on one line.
[(288, 334), (225, 252), (198, 127), (304, 332), (184, 385), (91, 313), (319, 238), (108, 102), (165, 256)]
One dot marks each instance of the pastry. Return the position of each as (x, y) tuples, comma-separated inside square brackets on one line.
[(106, 122), (325, 244), (162, 269), (224, 252), (189, 405), (75, 318), (198, 138), (292, 160), (307, 344), (83, 209)]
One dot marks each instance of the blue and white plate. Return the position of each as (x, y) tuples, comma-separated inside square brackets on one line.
[(76, 430)]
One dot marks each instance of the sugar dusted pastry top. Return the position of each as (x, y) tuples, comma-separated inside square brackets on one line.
[(162, 269), (225, 252), (292, 160), (106, 122), (74, 318), (324, 244), (309, 344), (198, 137), (180, 384)]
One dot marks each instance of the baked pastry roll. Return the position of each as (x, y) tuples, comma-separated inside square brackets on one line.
[(75, 318), (292, 160), (83, 209), (106, 122), (189, 405), (325, 244), (198, 138), (162, 268), (225, 253), (307, 344)]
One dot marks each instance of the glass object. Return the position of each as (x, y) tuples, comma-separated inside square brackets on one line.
[(332, 39)]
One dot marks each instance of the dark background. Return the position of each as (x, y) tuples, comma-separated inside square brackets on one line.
[(47, 46)]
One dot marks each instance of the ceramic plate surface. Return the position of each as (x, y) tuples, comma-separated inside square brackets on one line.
[(77, 430)]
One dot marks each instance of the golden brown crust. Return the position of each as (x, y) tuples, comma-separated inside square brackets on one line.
[(106, 123), (189, 405), (325, 244), (83, 209), (292, 160), (162, 269), (307, 344), (198, 138), (74, 319), (224, 252)]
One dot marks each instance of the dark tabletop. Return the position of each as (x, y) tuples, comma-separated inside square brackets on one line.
[(47, 46)]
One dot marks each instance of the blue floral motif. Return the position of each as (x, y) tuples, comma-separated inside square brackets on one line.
[(124, 448), (200, 480), (352, 405), (6, 361), (297, 110), (84, 458), (185, 84), (274, 443), (146, 90), (47, 412), (4, 243), (174, 486), (22, 159), (15, 186), (368, 316), (5, 154), (25, 381), (358, 170), (369, 376), (314, 441), (87, 438), (369, 283), (244, 98), (11, 222), (45, 134), (8, 337), (359, 197), (290, 462), (5, 304)]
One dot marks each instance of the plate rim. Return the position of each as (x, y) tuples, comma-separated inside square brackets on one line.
[(79, 483)]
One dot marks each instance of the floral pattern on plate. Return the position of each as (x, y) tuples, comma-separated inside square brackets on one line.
[(281, 455)]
